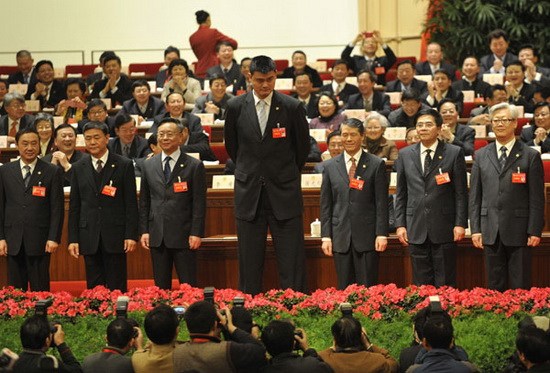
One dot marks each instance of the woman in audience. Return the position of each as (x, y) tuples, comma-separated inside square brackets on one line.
[(375, 142), (329, 118), (43, 124), (179, 81), (72, 108), (215, 101)]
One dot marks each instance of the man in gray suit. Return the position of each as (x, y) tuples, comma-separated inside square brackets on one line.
[(431, 209), (172, 207), (507, 203), (354, 209), (451, 131)]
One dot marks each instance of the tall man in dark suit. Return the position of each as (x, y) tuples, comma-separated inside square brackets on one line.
[(368, 98), (103, 217), (431, 207), (127, 141), (31, 214), (354, 209), (506, 203), (172, 207), (266, 134)]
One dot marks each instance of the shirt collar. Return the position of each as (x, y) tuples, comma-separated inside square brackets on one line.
[(267, 100), (103, 159), (357, 155), (509, 145), (32, 164), (175, 155), (432, 148)]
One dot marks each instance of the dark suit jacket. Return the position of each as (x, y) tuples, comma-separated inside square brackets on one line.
[(107, 362), (358, 63), (380, 103), (57, 93), (275, 162), (200, 104), (123, 93), (487, 61), (17, 77), (525, 98), (292, 362), (351, 215), (197, 142), (395, 86), (465, 137), (290, 72), (25, 121), (312, 108), (28, 361), (193, 122), (232, 76), (93, 215), (499, 207), (138, 149), (167, 216), (77, 155), (426, 209), (528, 137), (349, 89), (423, 68), (26, 219), (155, 107), (161, 77), (480, 87), (453, 94)]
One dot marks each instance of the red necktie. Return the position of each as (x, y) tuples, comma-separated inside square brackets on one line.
[(13, 129), (352, 169)]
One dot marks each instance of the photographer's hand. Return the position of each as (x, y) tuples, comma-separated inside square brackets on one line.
[(138, 341), (302, 341), (230, 327), (59, 335)]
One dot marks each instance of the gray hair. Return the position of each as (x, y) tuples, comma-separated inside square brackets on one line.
[(504, 105), (43, 117), (13, 96), (381, 119)]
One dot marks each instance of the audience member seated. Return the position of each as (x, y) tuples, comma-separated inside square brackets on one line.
[(537, 135), (499, 58), (304, 93), (411, 103), (36, 339), (434, 61), (529, 56), (228, 67), (353, 352), (175, 108), (180, 82), (440, 88), (196, 142), (97, 111), (453, 133), (171, 53), (281, 340), (368, 98), (116, 86), (299, 65), (480, 116), (374, 141), (96, 77), (206, 352), (533, 345), (26, 73), (338, 87), (243, 84), (519, 92), (405, 79), (121, 338), (15, 119), (43, 124), (335, 147), (66, 154), (215, 102), (46, 89), (370, 41), (155, 149), (127, 141), (470, 79), (72, 108), (514, 362), (438, 342), (143, 103), (3, 91), (542, 92), (329, 118), (411, 136)]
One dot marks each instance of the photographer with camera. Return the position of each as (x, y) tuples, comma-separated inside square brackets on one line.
[(281, 340), (37, 336), (206, 352), (121, 338)]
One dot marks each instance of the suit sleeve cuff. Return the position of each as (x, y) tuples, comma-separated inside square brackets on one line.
[(326, 239)]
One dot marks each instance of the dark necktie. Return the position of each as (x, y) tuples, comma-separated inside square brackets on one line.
[(126, 150), (167, 170), (427, 161), (502, 159), (99, 166), (352, 168), (27, 177)]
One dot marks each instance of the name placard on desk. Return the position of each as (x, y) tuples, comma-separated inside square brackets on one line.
[(3, 142), (320, 66), (352, 80), (312, 180), (57, 120), (107, 102), (319, 134), (395, 97), (32, 105), (481, 130), (469, 96), (424, 78), (19, 88), (223, 181), (207, 119), (80, 143), (493, 79), (284, 84), (395, 133), (355, 113)]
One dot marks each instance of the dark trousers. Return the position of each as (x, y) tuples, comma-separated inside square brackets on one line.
[(507, 267), (24, 270), (106, 269), (288, 240), (434, 264), (164, 258), (356, 267)]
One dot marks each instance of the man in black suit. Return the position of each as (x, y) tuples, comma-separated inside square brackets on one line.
[(434, 61), (506, 203), (116, 86), (304, 93), (299, 65), (500, 58), (46, 90), (440, 88), (26, 73), (66, 154), (368, 98), (103, 217), (96, 77), (338, 87), (266, 134), (16, 119), (529, 57), (405, 79), (470, 79), (410, 105), (228, 67), (354, 209), (172, 207), (196, 142), (127, 141), (480, 115), (175, 108), (537, 135), (31, 214), (431, 207), (143, 104), (451, 131)]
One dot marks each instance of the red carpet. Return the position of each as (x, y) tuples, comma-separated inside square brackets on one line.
[(76, 287)]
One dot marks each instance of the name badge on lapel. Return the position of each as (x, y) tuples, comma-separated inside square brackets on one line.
[(379, 70), (180, 186), (109, 190), (356, 184), (519, 177), (39, 191), (442, 178), (279, 133)]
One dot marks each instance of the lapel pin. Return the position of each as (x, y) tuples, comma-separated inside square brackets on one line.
[(39, 172), (517, 155), (112, 166), (440, 157), (364, 166), (276, 108)]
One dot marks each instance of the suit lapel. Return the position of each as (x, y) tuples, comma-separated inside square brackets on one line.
[(250, 111), (362, 165), (416, 157), (491, 149), (514, 155), (17, 174), (108, 170), (89, 172), (437, 158), (181, 162), (341, 166)]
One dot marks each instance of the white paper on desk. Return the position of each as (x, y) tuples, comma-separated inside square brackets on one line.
[(521, 111), (107, 102), (537, 148), (481, 130), (19, 88), (355, 113), (146, 124), (207, 86), (152, 85), (74, 75), (393, 179), (469, 96), (284, 84), (493, 79), (80, 143), (545, 156), (468, 158), (223, 181), (312, 180), (4, 76), (32, 105), (57, 120), (395, 133), (395, 97), (319, 134), (135, 117), (194, 155), (219, 122), (58, 72), (351, 80), (320, 66), (211, 163), (207, 119), (424, 78), (3, 142), (137, 73)]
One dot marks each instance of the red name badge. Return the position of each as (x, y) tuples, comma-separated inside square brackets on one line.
[(39, 191), (279, 133), (356, 184), (519, 178), (379, 70), (442, 178), (109, 190), (180, 187)]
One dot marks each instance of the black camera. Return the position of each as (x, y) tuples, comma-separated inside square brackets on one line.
[(209, 294), (435, 305), (346, 309), (238, 302), (41, 309), (297, 333), (122, 307), (180, 311)]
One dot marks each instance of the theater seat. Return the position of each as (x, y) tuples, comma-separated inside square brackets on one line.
[(208, 131), (220, 152), (281, 65), (546, 171), (400, 144), (330, 62), (7, 70), (467, 109), (480, 143), (391, 75), (323, 146), (85, 70), (521, 122), (147, 68)]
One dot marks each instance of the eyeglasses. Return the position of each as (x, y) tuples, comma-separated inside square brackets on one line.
[(168, 135), (505, 121), (425, 124), (97, 112)]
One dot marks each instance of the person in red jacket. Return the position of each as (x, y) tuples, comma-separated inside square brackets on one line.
[(204, 41)]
